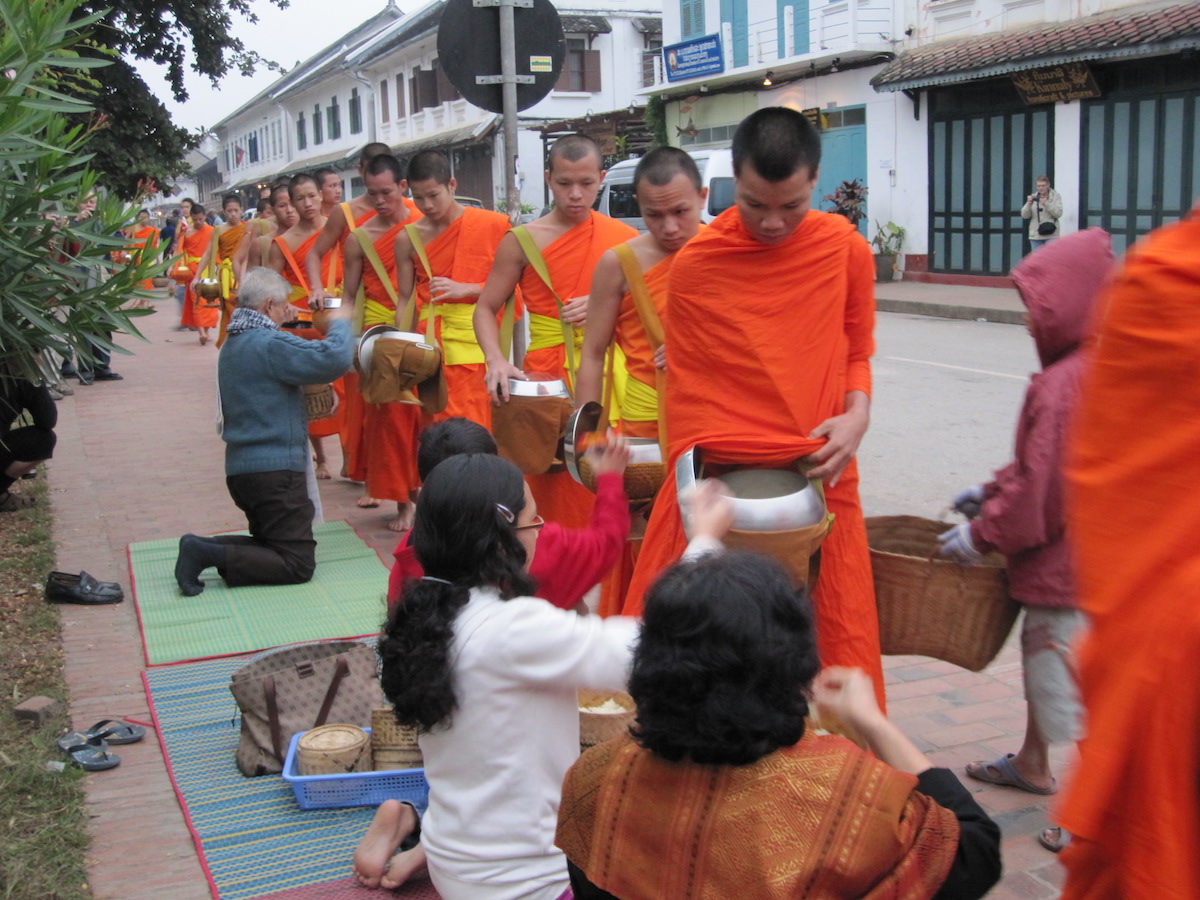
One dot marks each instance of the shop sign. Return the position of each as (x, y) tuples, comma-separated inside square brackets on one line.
[(694, 59), (1056, 84)]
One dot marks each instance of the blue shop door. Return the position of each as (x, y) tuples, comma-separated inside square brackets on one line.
[(843, 158)]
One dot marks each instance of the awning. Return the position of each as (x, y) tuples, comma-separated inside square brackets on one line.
[(466, 134), (585, 25), (1148, 32), (647, 24), (338, 161)]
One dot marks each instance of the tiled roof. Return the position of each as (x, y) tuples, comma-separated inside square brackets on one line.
[(1147, 31)]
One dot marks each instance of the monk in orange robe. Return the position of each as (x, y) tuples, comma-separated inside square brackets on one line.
[(288, 255), (391, 429), (145, 240), (198, 312), (670, 195), (460, 244), (1133, 804), (571, 239), (218, 260), (765, 377)]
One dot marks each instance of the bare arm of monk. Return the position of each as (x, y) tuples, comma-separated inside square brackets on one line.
[(406, 275), (330, 234), (502, 281), (241, 256), (603, 307), (274, 258), (352, 267)]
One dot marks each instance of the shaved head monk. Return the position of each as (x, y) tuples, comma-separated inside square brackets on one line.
[(571, 238), (459, 245), (1133, 804), (671, 197), (763, 377), (390, 430), (329, 183), (218, 260)]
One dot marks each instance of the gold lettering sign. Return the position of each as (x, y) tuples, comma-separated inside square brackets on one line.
[(1054, 84)]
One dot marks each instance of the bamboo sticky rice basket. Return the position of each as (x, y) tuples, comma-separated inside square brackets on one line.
[(929, 606), (603, 715), (393, 746), (333, 750), (318, 400)]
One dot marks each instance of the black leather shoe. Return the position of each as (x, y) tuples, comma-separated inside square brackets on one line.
[(108, 376), (62, 587), (85, 378)]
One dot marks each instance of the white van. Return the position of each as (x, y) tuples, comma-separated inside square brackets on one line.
[(716, 171)]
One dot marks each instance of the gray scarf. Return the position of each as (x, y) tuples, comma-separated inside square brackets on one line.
[(244, 319)]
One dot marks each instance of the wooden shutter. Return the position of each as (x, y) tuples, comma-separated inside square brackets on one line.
[(446, 90), (385, 107), (400, 97), (427, 87), (591, 71)]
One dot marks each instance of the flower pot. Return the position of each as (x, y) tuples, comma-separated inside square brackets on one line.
[(885, 266)]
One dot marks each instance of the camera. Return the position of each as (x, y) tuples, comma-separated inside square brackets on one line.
[(331, 303)]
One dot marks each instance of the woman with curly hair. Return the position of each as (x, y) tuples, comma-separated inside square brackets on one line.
[(489, 675), (722, 791)]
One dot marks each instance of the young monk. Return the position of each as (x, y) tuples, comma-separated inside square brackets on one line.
[(459, 244), (795, 355), (285, 218), (196, 313), (218, 259), (329, 183), (262, 224), (571, 239), (1133, 804), (391, 429), (145, 240), (671, 197)]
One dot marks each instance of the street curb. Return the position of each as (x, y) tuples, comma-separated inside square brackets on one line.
[(950, 311)]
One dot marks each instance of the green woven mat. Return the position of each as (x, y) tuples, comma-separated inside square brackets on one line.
[(344, 599)]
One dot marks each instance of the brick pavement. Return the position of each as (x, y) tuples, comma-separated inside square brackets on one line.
[(139, 460)]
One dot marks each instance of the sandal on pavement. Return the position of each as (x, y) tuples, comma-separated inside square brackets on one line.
[(10, 502), (1001, 771), (108, 731), (92, 756), (1054, 839)]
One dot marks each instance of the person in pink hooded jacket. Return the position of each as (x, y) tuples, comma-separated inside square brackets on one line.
[(1020, 513)]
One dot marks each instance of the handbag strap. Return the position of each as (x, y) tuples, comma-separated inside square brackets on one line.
[(273, 716), (419, 245), (291, 260), (530, 248), (340, 670), (369, 251)]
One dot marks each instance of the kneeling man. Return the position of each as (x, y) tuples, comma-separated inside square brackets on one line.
[(259, 375)]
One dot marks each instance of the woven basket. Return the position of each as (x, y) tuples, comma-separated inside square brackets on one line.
[(393, 746), (933, 607), (642, 480), (318, 400), (333, 750), (161, 282), (598, 727)]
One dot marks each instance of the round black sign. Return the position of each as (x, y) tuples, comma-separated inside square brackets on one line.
[(468, 45)]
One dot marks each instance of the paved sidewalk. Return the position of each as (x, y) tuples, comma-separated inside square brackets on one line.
[(951, 301), (139, 460)]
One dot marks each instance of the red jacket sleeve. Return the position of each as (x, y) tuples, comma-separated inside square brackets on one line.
[(568, 562)]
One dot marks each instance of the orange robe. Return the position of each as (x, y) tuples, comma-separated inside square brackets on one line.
[(570, 260), (464, 252), (354, 413), (391, 429), (752, 372), (144, 240), (195, 245), (1133, 805), (227, 244)]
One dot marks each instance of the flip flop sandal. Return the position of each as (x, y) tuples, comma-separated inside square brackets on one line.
[(1054, 839), (108, 731), (1001, 771), (92, 756)]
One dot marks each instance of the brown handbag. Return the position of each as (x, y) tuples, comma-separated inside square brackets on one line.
[(529, 432), (297, 688)]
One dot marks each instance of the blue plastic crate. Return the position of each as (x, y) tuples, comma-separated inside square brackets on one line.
[(354, 788)]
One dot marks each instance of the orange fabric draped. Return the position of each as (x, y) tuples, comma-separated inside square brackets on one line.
[(752, 372), (144, 239), (354, 411), (631, 336), (195, 244), (1133, 808), (570, 260), (818, 819), (295, 275), (390, 430), (227, 244), (464, 252)]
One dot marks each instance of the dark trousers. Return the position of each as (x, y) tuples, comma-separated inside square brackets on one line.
[(29, 444), (280, 548)]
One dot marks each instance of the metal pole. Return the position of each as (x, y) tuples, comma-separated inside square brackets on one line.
[(508, 96)]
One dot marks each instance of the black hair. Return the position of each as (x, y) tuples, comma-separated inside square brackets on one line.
[(662, 164), (296, 180), (280, 186), (384, 162), (726, 655), (572, 148), (777, 142), (143, 210), (226, 199), (429, 165), (462, 538), (450, 437), (264, 203), (372, 150), (198, 210), (320, 175)]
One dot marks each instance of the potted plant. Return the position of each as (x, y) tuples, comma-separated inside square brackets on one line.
[(849, 200), (887, 242)]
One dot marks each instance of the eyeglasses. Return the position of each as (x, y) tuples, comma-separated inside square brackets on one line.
[(536, 524)]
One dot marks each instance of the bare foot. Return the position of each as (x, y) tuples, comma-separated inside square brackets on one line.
[(404, 867), (404, 518), (323, 472), (393, 822), (203, 338), (366, 501)]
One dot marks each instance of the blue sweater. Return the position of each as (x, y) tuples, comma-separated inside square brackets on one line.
[(260, 374)]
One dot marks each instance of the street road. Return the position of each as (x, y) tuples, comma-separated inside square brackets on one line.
[(944, 410)]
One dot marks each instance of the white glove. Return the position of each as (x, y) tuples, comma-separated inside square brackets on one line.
[(969, 501), (956, 545)]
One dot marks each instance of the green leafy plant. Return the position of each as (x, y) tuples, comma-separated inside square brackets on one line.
[(849, 200), (655, 117), (888, 238), (61, 293)]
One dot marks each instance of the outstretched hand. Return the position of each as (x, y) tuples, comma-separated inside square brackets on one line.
[(612, 457), (844, 433), (846, 695), (497, 377)]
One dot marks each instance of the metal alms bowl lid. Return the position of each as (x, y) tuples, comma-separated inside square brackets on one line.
[(362, 353), (549, 387)]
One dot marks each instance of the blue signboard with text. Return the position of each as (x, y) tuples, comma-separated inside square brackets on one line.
[(694, 59)]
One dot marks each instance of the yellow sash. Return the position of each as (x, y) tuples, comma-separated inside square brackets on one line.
[(640, 400), (225, 275), (375, 313), (458, 332)]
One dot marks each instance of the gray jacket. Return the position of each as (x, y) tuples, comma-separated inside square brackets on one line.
[(1049, 210)]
